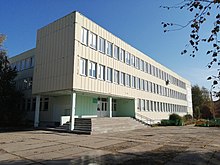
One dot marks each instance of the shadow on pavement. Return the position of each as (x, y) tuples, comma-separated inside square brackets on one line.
[(164, 155)]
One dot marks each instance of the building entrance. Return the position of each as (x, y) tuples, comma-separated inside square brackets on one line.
[(102, 107)]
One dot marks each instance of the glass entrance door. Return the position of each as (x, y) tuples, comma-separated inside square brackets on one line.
[(102, 107)]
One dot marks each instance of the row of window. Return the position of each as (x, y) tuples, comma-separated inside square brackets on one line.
[(23, 64), (24, 84), (29, 104), (111, 75), (154, 106), (90, 39)]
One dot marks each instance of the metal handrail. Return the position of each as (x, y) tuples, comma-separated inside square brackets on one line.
[(144, 118)]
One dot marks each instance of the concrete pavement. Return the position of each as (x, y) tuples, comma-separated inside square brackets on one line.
[(156, 145)]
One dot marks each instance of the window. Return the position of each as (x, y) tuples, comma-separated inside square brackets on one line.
[(92, 69), (83, 66), (101, 72), (93, 40), (146, 86), (152, 105), (150, 87), (137, 62), (84, 36), (127, 80), (127, 58), (138, 83), (143, 105), (109, 74), (141, 65), (147, 105), (122, 55), (46, 104), (146, 67), (116, 52), (116, 76), (122, 78), (133, 82), (139, 104), (30, 82), (132, 60), (108, 48), (22, 64), (32, 62), (28, 104), (101, 45), (142, 85), (27, 62), (33, 104)]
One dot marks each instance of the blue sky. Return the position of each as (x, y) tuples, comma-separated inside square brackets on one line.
[(138, 22)]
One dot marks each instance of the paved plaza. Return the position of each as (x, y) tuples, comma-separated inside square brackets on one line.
[(152, 145)]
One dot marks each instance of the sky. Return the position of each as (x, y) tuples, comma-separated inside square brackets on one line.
[(137, 22)]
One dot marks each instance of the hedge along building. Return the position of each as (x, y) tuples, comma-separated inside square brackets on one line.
[(85, 71)]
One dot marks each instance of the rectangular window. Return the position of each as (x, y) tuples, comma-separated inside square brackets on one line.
[(133, 82), (137, 63), (122, 55), (152, 105), (139, 104), (127, 58), (150, 69), (101, 44), (132, 60), (93, 40), (141, 65), (142, 85), (122, 78), (22, 64), (27, 63), (127, 80), (146, 67), (108, 48), (101, 72), (146, 86), (92, 69), (46, 104), (84, 36), (143, 105), (150, 87), (116, 76), (28, 104), (116, 52), (147, 105), (33, 104), (83, 66), (109, 74), (32, 62), (138, 83)]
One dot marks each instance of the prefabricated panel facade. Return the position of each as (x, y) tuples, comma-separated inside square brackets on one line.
[(108, 76)]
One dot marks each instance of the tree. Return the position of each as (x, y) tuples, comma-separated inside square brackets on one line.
[(9, 96), (202, 104), (202, 10)]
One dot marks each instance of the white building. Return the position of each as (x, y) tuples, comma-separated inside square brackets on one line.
[(81, 70)]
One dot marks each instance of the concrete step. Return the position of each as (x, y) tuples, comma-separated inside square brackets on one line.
[(104, 125)]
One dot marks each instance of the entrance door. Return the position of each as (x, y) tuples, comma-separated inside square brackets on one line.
[(102, 107)]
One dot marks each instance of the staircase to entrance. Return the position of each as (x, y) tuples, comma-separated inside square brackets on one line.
[(104, 125)]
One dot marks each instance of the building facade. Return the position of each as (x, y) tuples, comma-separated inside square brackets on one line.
[(82, 70)]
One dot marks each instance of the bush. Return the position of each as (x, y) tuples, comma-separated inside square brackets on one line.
[(167, 123), (175, 117), (174, 120), (187, 117)]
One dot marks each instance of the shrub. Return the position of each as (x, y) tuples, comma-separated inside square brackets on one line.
[(177, 120), (187, 117), (167, 122), (175, 117)]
